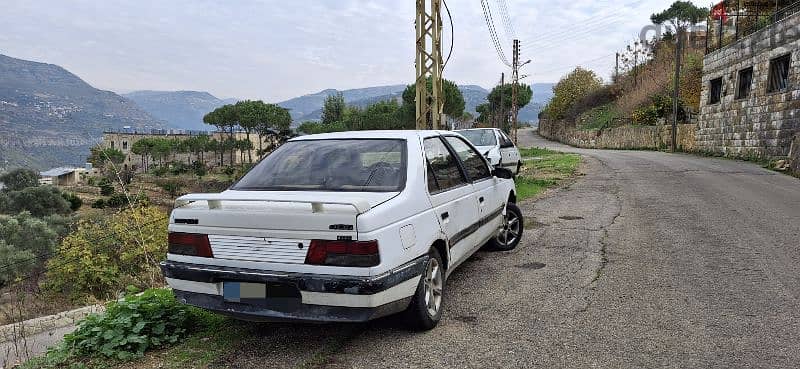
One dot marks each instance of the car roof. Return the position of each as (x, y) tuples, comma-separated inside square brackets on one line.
[(406, 134), (476, 129)]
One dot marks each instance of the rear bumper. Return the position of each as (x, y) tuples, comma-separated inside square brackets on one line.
[(323, 298)]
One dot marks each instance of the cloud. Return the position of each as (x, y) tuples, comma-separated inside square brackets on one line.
[(273, 50)]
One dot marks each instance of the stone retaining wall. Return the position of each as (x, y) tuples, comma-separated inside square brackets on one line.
[(794, 156), (761, 124), (625, 137)]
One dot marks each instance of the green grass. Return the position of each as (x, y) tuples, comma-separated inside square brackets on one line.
[(544, 169), (601, 117)]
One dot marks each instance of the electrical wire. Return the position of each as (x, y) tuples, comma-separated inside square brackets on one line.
[(452, 35), (511, 34), (487, 15)]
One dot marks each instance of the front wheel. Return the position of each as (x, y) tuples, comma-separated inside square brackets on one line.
[(508, 236), (425, 310)]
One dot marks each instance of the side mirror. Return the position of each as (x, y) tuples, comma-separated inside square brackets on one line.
[(503, 173), (506, 145)]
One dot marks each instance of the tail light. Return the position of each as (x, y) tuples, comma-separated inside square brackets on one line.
[(190, 244), (343, 253)]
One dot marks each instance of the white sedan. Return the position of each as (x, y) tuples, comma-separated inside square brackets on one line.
[(496, 146), (342, 227)]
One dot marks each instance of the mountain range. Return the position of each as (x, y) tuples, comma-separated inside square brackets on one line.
[(50, 117), (180, 109)]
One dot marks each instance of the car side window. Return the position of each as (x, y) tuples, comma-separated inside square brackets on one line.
[(473, 161), (505, 141), (443, 170)]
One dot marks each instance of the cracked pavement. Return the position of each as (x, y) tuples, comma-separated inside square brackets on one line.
[(647, 260)]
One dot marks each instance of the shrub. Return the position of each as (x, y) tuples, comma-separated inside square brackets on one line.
[(200, 168), (104, 255), (131, 326), (172, 187), (25, 242), (99, 204), (75, 202), (106, 189), (39, 201), (571, 89), (19, 179), (119, 200)]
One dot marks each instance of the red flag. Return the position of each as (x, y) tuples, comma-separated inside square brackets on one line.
[(718, 12)]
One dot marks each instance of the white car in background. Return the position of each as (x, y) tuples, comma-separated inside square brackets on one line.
[(342, 227), (495, 145)]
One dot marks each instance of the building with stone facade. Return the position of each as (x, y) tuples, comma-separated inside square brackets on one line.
[(750, 101), (124, 142)]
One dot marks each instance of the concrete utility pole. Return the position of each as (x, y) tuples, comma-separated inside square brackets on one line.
[(515, 91), (676, 93), (616, 69), (429, 64)]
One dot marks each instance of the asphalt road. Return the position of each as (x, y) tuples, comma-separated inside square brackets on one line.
[(648, 260)]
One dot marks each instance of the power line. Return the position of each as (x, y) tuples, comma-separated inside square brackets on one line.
[(591, 20), (487, 15), (511, 34), (585, 62), (452, 35)]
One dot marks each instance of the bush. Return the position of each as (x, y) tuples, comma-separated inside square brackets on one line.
[(25, 242), (39, 201), (106, 189), (119, 200), (103, 255), (19, 179), (131, 326), (75, 202), (200, 168), (172, 187), (571, 89), (99, 204)]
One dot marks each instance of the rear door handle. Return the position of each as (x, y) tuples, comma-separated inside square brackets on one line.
[(480, 200), (445, 215)]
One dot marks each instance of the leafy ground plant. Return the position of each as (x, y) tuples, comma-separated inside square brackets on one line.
[(126, 330)]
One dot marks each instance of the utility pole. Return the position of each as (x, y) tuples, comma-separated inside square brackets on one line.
[(429, 105), (676, 93), (515, 90), (616, 69), (503, 117)]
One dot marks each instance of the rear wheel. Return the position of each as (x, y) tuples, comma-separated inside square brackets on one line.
[(508, 236), (425, 310)]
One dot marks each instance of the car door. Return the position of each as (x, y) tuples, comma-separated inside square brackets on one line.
[(508, 152), (490, 202), (451, 195)]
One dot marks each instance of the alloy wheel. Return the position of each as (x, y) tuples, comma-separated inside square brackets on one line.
[(433, 287)]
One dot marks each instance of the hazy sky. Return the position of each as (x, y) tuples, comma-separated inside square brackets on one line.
[(274, 50)]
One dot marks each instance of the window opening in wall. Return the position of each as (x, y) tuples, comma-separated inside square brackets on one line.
[(779, 73), (716, 91), (745, 82)]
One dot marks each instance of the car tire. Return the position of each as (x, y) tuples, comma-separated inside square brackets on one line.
[(425, 310), (508, 237)]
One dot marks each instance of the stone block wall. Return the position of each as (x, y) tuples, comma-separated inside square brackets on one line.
[(624, 137), (763, 124), (794, 156)]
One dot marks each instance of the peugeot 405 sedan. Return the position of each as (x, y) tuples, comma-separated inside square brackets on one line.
[(343, 227), (496, 146)]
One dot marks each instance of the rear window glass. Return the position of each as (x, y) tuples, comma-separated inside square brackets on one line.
[(480, 137), (358, 165)]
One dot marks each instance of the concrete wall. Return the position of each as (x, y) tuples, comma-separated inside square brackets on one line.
[(763, 124), (625, 137)]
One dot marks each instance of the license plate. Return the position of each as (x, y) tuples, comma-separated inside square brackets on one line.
[(244, 292)]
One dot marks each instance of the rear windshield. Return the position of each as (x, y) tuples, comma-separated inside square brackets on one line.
[(480, 137), (358, 165)]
